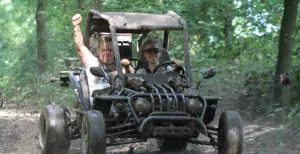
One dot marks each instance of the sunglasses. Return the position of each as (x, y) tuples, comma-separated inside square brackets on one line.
[(156, 50), (106, 50)]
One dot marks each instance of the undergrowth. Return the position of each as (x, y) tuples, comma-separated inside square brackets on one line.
[(245, 85), (249, 87)]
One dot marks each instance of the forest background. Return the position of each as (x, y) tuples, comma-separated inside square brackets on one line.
[(240, 38)]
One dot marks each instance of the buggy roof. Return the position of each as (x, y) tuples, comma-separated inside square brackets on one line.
[(136, 22), (126, 22)]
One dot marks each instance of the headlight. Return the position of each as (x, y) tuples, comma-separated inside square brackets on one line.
[(142, 106), (194, 106)]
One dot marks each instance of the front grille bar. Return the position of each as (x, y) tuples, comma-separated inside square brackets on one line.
[(151, 95), (159, 97), (166, 94), (149, 119), (174, 95)]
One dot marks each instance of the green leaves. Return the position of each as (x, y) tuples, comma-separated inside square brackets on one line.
[(247, 50)]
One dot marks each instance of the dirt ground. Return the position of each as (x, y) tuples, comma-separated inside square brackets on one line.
[(19, 135)]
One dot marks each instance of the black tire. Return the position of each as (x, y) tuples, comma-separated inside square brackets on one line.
[(93, 134), (172, 144), (1, 99), (85, 90), (230, 133), (54, 135)]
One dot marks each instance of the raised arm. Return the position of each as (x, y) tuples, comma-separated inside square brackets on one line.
[(86, 58)]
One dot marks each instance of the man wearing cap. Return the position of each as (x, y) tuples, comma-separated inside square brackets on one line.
[(149, 58)]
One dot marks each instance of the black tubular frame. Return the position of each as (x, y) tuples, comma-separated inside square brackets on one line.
[(171, 106), (113, 29), (165, 94)]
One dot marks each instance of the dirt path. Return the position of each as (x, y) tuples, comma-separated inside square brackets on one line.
[(19, 135)]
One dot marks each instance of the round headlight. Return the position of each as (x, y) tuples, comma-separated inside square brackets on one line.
[(194, 106), (142, 106)]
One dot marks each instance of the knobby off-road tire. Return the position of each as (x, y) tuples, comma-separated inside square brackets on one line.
[(54, 136), (93, 134), (230, 133), (85, 90), (172, 144)]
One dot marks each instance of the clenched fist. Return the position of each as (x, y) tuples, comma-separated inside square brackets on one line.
[(125, 62), (76, 19)]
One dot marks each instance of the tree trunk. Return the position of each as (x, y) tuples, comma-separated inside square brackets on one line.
[(41, 35), (97, 5), (229, 12), (228, 33), (281, 93)]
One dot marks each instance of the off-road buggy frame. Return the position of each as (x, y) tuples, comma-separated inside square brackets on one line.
[(138, 106)]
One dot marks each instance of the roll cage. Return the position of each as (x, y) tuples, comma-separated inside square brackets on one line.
[(117, 23)]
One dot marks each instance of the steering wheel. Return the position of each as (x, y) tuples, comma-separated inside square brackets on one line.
[(171, 62)]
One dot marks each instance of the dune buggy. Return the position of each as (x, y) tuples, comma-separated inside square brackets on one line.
[(134, 107)]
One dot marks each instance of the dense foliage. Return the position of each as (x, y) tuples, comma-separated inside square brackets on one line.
[(239, 38)]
